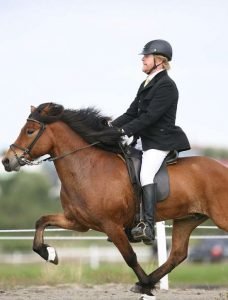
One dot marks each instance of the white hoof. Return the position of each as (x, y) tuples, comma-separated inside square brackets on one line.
[(51, 254), (147, 297)]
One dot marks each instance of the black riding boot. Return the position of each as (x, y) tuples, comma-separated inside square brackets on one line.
[(145, 230)]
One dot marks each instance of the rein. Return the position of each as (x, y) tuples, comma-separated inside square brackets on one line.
[(27, 151), (67, 153)]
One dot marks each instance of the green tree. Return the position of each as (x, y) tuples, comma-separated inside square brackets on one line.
[(24, 198), (218, 153)]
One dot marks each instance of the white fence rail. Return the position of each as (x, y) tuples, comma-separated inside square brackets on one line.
[(92, 238)]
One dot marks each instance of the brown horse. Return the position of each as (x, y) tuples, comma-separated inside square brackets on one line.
[(96, 192)]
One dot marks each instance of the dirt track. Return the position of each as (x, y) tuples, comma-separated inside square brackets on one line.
[(105, 292)]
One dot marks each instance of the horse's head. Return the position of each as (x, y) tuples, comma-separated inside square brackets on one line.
[(37, 139), (33, 140)]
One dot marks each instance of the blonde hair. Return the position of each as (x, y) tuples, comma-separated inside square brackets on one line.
[(165, 62)]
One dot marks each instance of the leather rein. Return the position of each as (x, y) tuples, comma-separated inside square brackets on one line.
[(22, 160)]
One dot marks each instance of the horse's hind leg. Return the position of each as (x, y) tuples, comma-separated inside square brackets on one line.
[(45, 251), (182, 229)]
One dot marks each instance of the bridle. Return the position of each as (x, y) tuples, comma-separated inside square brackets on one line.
[(22, 160)]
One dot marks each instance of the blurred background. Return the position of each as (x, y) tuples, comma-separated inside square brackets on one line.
[(85, 53)]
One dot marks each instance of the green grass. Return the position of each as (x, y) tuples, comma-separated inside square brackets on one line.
[(187, 274), (45, 273), (209, 274), (76, 272)]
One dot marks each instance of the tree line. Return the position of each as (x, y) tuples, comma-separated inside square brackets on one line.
[(24, 198)]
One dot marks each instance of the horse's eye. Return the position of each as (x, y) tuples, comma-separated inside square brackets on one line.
[(30, 131)]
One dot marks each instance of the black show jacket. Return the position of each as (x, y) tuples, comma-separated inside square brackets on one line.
[(152, 116)]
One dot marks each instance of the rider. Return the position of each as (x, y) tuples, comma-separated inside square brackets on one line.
[(151, 117)]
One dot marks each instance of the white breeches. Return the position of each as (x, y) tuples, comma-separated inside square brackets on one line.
[(151, 163)]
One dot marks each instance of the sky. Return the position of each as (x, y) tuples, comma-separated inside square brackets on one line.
[(82, 53)]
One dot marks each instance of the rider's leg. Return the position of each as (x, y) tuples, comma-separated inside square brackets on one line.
[(151, 162)]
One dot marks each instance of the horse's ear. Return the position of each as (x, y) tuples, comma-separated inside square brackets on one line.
[(33, 108)]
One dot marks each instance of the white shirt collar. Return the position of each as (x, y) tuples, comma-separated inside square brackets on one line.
[(152, 75)]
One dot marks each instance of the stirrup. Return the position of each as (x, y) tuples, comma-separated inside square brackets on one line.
[(138, 232), (143, 232)]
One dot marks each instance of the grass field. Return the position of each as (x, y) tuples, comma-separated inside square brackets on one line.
[(45, 273)]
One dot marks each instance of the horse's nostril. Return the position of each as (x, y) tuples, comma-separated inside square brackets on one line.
[(5, 161)]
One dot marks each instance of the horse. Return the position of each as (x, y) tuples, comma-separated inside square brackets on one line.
[(96, 192)]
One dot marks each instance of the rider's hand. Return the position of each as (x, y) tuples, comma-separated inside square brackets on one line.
[(109, 136)]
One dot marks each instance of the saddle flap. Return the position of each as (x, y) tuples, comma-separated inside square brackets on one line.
[(133, 159)]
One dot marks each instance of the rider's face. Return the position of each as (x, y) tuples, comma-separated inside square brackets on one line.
[(148, 63)]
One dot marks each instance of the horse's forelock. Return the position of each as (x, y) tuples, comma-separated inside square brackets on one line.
[(47, 112), (55, 109)]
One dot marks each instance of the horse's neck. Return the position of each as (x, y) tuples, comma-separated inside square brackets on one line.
[(65, 140), (74, 156), (86, 166)]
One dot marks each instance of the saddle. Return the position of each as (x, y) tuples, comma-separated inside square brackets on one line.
[(133, 158)]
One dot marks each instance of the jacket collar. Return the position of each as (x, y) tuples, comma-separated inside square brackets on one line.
[(153, 81)]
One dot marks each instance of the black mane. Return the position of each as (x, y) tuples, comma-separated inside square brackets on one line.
[(85, 122)]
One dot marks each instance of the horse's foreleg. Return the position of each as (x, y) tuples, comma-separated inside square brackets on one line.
[(45, 251), (182, 229), (119, 238)]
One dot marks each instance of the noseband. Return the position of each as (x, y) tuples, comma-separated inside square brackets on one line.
[(27, 151)]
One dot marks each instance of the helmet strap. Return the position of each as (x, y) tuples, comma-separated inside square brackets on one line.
[(155, 66)]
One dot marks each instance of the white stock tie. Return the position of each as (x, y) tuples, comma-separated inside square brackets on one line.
[(147, 81)]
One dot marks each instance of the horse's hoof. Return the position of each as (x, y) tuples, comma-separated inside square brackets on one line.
[(52, 255), (47, 253), (137, 288), (147, 297)]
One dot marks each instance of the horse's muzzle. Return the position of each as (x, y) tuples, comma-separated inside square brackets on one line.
[(9, 166), (6, 164)]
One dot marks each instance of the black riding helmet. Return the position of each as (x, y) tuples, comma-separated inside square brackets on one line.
[(159, 47)]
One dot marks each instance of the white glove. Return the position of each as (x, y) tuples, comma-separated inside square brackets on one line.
[(127, 140)]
